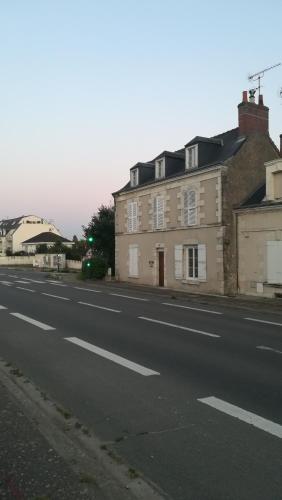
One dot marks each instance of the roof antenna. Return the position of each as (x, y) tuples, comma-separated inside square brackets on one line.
[(256, 77)]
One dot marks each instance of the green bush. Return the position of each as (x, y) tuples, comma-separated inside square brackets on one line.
[(94, 268)]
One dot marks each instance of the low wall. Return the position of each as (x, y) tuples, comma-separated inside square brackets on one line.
[(74, 264), (24, 260)]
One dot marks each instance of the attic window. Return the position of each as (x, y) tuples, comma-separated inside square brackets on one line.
[(192, 156), (134, 178), (160, 168)]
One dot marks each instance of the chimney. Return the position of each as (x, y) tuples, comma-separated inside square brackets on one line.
[(253, 118), (281, 145)]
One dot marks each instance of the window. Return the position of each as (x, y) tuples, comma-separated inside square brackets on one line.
[(159, 212), (133, 261), (134, 177), (132, 214), (189, 208), (190, 262), (160, 168), (192, 156), (274, 261)]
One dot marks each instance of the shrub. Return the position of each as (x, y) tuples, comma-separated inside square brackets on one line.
[(94, 268)]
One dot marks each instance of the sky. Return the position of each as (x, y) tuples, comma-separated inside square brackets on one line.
[(91, 87)]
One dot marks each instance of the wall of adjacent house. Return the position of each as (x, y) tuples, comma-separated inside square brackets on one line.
[(260, 251), (29, 230), (207, 232), (245, 173)]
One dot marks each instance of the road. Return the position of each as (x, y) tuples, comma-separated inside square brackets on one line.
[(189, 394)]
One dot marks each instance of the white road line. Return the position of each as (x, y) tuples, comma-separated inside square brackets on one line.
[(86, 289), (264, 321), (3, 307), (179, 326), (4, 282), (43, 326), (34, 281), (146, 372), (12, 276), (99, 307), (192, 308), (22, 282), (128, 297), (26, 289), (265, 348), (55, 296), (245, 416)]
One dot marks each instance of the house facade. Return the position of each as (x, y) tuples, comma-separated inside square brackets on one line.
[(13, 232), (259, 235), (48, 239), (174, 219)]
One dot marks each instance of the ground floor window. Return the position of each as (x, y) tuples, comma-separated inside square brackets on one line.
[(192, 263)]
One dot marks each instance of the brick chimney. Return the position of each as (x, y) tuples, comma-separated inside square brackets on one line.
[(253, 118)]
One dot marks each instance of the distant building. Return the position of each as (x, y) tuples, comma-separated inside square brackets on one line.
[(48, 238), (259, 229), (174, 219), (13, 232)]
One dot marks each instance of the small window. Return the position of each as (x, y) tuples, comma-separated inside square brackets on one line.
[(160, 168), (192, 262), (134, 177), (192, 156)]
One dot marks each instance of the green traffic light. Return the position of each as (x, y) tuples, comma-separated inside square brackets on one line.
[(90, 239), (88, 264)]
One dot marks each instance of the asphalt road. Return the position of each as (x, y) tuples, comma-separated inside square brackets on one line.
[(189, 394)]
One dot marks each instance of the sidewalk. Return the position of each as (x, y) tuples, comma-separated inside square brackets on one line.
[(30, 468), (46, 454)]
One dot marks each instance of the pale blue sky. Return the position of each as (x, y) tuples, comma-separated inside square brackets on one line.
[(89, 88)]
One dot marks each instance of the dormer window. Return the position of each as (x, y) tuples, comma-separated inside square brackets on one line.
[(160, 168), (134, 177), (192, 156)]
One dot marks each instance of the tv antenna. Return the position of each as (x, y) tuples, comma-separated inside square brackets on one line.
[(256, 77)]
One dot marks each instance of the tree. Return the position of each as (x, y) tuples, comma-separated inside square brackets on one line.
[(102, 228)]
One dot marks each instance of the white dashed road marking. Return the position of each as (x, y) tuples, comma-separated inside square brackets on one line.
[(26, 289), (34, 322), (192, 308), (265, 348), (179, 326), (86, 289), (55, 296), (99, 307), (142, 370), (128, 297), (3, 307), (22, 282), (245, 416), (264, 321)]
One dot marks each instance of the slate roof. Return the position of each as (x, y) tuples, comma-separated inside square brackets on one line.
[(257, 199), (224, 146), (8, 224), (47, 237)]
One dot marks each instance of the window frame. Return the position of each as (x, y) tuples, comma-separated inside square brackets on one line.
[(157, 213), (134, 177), (160, 168), (132, 218), (191, 161)]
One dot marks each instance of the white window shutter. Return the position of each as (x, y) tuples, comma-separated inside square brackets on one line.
[(129, 217), (202, 263), (155, 213), (160, 209), (192, 210), (274, 261), (133, 260), (185, 208), (134, 216), (178, 262)]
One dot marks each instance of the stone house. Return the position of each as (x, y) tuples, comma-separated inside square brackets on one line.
[(174, 219), (259, 236)]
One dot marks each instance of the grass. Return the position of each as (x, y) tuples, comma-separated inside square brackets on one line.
[(133, 474), (65, 413), (87, 479)]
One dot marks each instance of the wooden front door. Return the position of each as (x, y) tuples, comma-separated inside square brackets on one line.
[(161, 268)]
